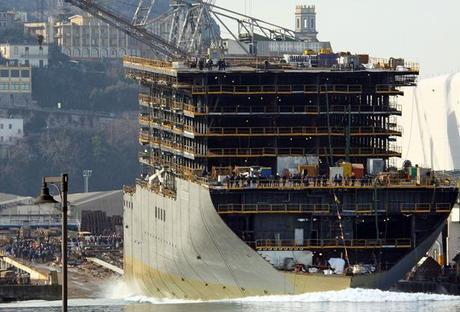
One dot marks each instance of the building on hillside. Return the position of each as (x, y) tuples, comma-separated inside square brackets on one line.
[(15, 84), (20, 16), (85, 37), (6, 20), (11, 130), (26, 54), (44, 29)]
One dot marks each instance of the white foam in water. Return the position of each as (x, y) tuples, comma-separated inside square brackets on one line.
[(119, 293), (58, 303), (132, 293), (353, 295)]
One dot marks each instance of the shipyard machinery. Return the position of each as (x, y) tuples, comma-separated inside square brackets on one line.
[(188, 29)]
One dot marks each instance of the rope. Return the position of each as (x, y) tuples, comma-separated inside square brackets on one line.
[(342, 234)]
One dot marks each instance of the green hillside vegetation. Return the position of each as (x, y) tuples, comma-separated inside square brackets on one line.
[(97, 86), (111, 152)]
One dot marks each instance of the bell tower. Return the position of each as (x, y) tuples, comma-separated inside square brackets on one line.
[(305, 23)]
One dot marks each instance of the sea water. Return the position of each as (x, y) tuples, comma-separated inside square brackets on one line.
[(119, 298)]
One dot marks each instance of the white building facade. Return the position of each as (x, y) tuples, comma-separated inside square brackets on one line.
[(15, 85), (11, 130), (26, 54), (6, 20), (85, 37)]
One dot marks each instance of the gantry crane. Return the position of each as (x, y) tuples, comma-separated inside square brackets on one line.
[(192, 26)]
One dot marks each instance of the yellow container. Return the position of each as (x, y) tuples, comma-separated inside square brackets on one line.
[(347, 169)]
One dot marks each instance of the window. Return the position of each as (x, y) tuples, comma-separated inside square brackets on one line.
[(14, 73), (25, 73), (4, 73), (1, 126), (298, 23), (10, 139), (10, 126), (1, 138), (312, 23), (19, 131)]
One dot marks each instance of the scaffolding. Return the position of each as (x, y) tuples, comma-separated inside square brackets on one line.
[(196, 120)]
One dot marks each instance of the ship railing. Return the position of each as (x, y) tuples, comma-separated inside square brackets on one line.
[(157, 187), (341, 89), (386, 89), (294, 244), (148, 100), (275, 89), (443, 207), (415, 207), (309, 109), (144, 120), (425, 207), (300, 131), (273, 208), (144, 138), (358, 209), (272, 152), (299, 183), (146, 62)]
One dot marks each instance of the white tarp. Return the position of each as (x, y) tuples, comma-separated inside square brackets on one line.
[(431, 121), (337, 264)]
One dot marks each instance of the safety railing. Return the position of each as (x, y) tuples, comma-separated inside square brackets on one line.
[(302, 131), (146, 62), (341, 89), (275, 89), (291, 244), (144, 120), (237, 183), (358, 209), (272, 208), (386, 89), (144, 137), (425, 207), (272, 152), (443, 207), (250, 109)]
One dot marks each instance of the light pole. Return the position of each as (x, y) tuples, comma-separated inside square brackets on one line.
[(86, 175), (62, 184)]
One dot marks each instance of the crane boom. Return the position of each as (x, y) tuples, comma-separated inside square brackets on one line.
[(157, 43), (188, 27)]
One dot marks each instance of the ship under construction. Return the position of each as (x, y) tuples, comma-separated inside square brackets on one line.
[(270, 172)]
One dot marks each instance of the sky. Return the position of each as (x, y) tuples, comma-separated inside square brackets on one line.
[(422, 31)]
